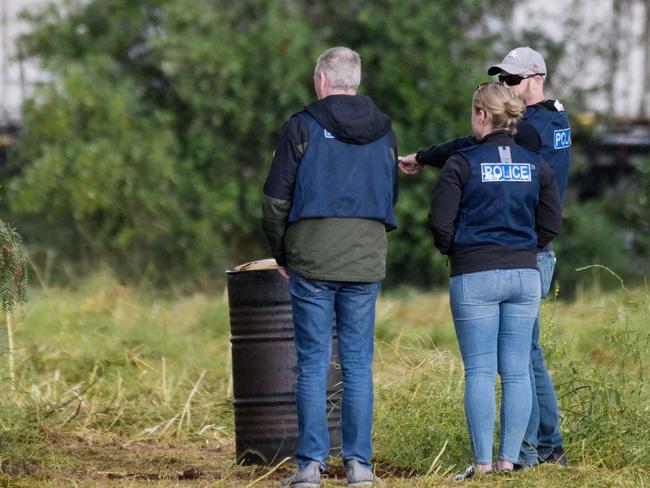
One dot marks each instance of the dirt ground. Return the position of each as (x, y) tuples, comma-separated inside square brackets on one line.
[(105, 460)]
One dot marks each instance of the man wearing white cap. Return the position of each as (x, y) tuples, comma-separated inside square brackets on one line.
[(544, 127), (523, 71)]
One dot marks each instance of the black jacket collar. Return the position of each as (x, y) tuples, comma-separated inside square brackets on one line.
[(501, 136)]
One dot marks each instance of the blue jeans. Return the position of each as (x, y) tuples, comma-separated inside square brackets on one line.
[(494, 312), (314, 304), (543, 432)]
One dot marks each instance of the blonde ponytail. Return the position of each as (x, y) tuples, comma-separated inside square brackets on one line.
[(501, 107)]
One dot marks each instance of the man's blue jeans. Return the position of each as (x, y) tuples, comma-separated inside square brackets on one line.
[(314, 304), (543, 432), (494, 312)]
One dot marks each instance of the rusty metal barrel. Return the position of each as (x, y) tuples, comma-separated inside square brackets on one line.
[(264, 367)]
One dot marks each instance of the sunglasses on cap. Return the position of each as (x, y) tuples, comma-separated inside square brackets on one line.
[(513, 80), (483, 84)]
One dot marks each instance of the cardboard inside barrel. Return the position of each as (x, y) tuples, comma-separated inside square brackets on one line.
[(259, 265)]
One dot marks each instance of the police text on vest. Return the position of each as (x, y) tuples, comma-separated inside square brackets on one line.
[(561, 138), (497, 172)]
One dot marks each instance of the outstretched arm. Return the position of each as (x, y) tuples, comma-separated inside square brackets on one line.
[(435, 155), (438, 154)]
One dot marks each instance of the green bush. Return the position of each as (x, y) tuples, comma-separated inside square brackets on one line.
[(590, 237), (147, 148)]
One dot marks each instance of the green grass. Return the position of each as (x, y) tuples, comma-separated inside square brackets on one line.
[(120, 387)]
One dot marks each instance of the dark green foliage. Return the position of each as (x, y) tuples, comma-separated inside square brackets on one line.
[(630, 205), (152, 139), (590, 236), (13, 269), (606, 219)]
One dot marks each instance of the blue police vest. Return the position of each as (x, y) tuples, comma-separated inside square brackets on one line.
[(336, 179), (555, 135), (497, 206)]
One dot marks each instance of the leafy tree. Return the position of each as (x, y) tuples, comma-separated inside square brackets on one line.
[(150, 144), (13, 285), (13, 269), (154, 133), (422, 67)]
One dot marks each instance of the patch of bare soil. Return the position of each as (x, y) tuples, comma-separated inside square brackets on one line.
[(94, 459)]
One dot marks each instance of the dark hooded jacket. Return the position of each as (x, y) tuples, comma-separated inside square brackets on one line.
[(333, 249)]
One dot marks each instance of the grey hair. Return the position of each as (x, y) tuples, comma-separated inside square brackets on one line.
[(342, 66)]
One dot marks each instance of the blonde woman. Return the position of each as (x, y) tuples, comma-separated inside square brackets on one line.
[(494, 205)]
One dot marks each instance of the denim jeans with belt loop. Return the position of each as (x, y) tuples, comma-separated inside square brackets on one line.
[(314, 303), (494, 313)]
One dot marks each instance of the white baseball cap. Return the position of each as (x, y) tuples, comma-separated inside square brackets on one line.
[(519, 61)]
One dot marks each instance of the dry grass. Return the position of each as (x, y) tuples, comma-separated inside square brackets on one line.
[(121, 388)]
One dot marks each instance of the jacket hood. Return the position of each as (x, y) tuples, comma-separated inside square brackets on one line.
[(353, 119)]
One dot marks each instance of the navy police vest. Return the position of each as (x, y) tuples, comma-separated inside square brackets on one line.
[(555, 135), (498, 203), (336, 179)]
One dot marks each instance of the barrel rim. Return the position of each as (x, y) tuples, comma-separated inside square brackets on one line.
[(269, 265)]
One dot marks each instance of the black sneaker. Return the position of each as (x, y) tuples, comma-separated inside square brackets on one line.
[(557, 456)]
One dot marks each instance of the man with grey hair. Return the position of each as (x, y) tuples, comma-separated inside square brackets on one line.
[(328, 204), (342, 66)]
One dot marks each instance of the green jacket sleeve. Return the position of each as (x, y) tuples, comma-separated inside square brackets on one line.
[(278, 188), (275, 216)]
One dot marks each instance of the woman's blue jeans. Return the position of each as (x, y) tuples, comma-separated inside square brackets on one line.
[(314, 304), (494, 312)]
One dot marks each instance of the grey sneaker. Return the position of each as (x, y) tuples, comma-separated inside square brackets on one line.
[(358, 475), (469, 473), (309, 477)]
